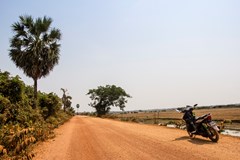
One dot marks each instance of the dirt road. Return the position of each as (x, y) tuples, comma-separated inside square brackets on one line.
[(87, 138)]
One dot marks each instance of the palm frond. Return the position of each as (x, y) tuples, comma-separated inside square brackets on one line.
[(34, 46), (55, 34)]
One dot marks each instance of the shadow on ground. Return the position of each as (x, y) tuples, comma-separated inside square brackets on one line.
[(195, 140)]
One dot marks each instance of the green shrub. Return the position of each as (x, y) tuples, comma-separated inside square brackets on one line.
[(6, 110), (50, 104), (20, 125), (11, 87)]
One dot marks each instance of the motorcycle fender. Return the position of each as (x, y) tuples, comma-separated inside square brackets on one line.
[(214, 126)]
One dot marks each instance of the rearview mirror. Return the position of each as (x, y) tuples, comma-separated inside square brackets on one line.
[(178, 110), (195, 105)]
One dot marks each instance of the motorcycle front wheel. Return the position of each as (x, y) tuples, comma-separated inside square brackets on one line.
[(190, 134), (214, 134)]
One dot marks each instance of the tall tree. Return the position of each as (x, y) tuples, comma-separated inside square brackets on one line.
[(66, 100), (35, 48), (77, 107), (105, 97)]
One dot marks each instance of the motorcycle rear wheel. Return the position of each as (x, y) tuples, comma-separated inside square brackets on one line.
[(214, 134)]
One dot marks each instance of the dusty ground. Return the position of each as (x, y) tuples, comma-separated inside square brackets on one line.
[(87, 138)]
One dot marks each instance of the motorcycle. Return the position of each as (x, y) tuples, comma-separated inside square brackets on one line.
[(202, 125)]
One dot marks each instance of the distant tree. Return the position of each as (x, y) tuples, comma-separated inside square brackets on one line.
[(105, 97), (66, 100), (77, 107), (35, 48)]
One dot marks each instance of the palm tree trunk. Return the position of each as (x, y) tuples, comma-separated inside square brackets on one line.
[(35, 94)]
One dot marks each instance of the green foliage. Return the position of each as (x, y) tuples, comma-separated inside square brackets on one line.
[(58, 119), (50, 104), (70, 111), (5, 110), (34, 47), (26, 116), (29, 95), (20, 124), (66, 100), (104, 97), (11, 87)]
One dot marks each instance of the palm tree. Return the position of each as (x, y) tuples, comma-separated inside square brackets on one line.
[(77, 107), (35, 48)]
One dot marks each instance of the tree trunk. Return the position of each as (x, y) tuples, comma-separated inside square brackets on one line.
[(64, 108), (35, 94)]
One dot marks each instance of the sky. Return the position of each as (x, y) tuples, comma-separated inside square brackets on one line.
[(164, 54)]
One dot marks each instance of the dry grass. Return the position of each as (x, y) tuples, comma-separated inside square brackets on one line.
[(217, 114)]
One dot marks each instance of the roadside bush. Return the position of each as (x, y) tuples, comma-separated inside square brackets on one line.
[(53, 121), (50, 104), (20, 125), (27, 117), (11, 87), (16, 139), (5, 107)]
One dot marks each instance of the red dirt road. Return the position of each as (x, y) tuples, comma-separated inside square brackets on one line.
[(87, 138)]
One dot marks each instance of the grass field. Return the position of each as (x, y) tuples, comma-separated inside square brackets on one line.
[(217, 114), (228, 115)]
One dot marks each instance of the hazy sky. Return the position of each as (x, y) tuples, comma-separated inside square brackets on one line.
[(164, 53)]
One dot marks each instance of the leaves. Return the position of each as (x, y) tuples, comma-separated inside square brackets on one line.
[(66, 100), (50, 104), (104, 97), (20, 124), (11, 87), (34, 47), (33, 40)]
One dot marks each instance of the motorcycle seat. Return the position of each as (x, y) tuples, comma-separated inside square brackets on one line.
[(202, 117)]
